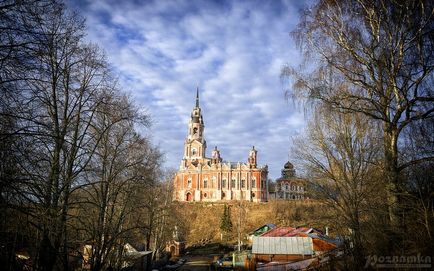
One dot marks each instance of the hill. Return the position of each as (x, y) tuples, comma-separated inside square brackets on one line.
[(201, 221)]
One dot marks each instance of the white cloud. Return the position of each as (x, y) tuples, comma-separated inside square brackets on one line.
[(234, 51)]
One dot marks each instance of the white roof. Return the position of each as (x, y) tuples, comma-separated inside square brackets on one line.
[(282, 245)]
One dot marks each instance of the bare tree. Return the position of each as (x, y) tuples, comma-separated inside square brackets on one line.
[(109, 197), (57, 84), (372, 57), (68, 138), (419, 199), (156, 214), (340, 152)]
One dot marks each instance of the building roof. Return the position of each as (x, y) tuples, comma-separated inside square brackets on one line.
[(289, 240), (269, 225), (290, 232), (132, 253), (278, 232), (282, 245)]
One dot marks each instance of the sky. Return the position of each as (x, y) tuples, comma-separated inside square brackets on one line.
[(232, 50)]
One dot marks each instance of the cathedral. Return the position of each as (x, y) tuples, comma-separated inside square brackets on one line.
[(211, 179)]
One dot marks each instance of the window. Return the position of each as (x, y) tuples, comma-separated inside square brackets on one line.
[(243, 183), (193, 151), (253, 183), (224, 183), (189, 183), (205, 183), (233, 183), (287, 187)]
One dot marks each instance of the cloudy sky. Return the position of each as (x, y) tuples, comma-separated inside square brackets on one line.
[(233, 50)]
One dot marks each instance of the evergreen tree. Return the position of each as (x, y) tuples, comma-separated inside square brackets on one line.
[(226, 224)]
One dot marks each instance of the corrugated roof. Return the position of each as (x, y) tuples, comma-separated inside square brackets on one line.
[(269, 225), (282, 245), (287, 232), (288, 240), (278, 232)]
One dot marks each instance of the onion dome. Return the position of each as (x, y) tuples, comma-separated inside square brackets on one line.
[(288, 165)]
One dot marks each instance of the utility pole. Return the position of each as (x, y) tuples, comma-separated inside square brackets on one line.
[(239, 226)]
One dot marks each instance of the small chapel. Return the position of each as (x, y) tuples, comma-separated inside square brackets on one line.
[(203, 179)]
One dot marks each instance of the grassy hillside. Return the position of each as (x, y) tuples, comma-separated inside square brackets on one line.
[(201, 221)]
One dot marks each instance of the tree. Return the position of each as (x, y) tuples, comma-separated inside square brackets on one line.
[(68, 140), (225, 222), (157, 217), (52, 86), (340, 153), (108, 196), (374, 58), (419, 199)]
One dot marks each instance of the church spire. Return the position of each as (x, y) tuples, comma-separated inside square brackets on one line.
[(197, 96)]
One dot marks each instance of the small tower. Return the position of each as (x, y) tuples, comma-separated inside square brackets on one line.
[(252, 158), (215, 156)]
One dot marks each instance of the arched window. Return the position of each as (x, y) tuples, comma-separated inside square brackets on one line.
[(193, 151), (286, 187), (205, 183), (189, 183), (214, 182), (233, 183), (253, 183)]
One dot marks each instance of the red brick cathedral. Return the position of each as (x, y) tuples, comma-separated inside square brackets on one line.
[(211, 179)]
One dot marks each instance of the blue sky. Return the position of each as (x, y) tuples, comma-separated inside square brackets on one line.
[(233, 50)]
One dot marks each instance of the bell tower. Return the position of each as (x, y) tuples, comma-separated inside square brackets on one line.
[(195, 144), (215, 156)]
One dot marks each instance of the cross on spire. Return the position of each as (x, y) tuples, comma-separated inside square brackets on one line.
[(197, 96)]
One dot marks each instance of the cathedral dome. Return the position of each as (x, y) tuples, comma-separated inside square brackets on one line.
[(288, 165)]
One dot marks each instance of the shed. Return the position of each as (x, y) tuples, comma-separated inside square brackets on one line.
[(286, 244)]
